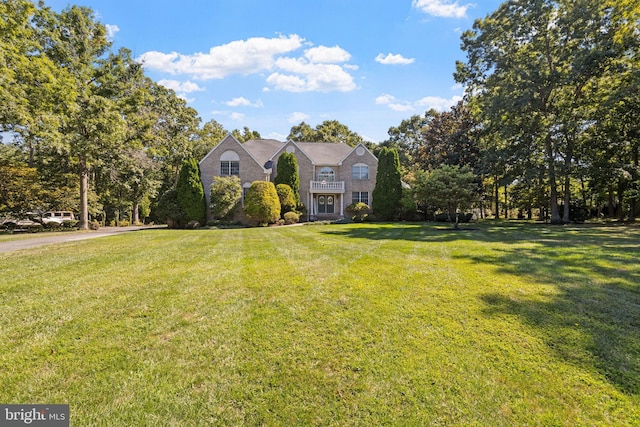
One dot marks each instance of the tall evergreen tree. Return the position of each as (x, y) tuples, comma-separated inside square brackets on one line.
[(191, 192), (287, 173), (388, 191)]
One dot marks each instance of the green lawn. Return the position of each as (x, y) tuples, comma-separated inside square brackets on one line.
[(361, 324)]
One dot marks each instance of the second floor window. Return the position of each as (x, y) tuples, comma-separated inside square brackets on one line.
[(229, 167), (326, 174), (229, 163), (360, 172)]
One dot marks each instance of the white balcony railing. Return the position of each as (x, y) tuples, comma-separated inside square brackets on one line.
[(327, 186)]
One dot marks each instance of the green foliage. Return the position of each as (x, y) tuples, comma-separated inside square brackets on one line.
[(169, 210), (327, 131), (540, 73), (449, 188), (20, 189), (191, 192), (387, 194), (226, 193), (246, 135), (287, 199), (262, 204), (287, 173), (358, 211), (291, 218)]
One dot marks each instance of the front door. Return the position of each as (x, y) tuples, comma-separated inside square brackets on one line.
[(326, 204)]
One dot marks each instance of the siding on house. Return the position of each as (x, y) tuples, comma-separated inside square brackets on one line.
[(311, 158)]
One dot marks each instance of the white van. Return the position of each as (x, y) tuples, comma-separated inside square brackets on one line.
[(58, 216)]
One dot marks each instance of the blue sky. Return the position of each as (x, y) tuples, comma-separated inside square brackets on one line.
[(270, 64)]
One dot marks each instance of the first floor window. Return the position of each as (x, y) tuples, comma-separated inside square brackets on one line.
[(360, 197)]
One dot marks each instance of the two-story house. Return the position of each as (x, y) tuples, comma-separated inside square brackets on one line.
[(332, 175)]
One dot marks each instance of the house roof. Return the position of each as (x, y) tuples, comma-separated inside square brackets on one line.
[(320, 153), (325, 153), (262, 149)]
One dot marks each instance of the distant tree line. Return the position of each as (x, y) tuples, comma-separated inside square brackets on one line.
[(550, 124), (549, 127), (90, 132)]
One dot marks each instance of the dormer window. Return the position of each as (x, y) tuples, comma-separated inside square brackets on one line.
[(229, 163)]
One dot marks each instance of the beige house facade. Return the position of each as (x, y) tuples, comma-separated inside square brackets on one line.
[(332, 175)]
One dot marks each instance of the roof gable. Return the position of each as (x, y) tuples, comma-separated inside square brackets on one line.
[(325, 153), (229, 138), (365, 153)]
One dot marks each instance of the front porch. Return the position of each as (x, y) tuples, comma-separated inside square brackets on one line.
[(326, 205)]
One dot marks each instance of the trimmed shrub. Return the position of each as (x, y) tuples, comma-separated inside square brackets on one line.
[(291, 218), (287, 199), (262, 205), (94, 225), (226, 193), (358, 211)]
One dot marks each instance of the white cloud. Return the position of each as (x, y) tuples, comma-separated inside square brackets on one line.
[(181, 87), (401, 107), (321, 68), (385, 99), (441, 8), (438, 103), (327, 55), (302, 76), (298, 117), (391, 59), (237, 116), (287, 83), (237, 57), (243, 102), (111, 31), (392, 102), (277, 136), (428, 102)]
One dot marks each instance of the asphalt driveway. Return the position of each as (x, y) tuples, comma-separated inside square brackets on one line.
[(15, 245)]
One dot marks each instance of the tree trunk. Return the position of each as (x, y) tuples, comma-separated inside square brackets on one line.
[(567, 200), (621, 199), (555, 213), (634, 185), (541, 196), (136, 213), (497, 197), (611, 213), (506, 203), (83, 223)]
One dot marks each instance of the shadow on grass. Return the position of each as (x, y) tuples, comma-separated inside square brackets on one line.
[(594, 319), (505, 232), (591, 320)]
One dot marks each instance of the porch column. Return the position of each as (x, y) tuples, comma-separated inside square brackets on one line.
[(342, 204)]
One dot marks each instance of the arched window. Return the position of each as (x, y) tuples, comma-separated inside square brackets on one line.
[(229, 163), (360, 172), (326, 174)]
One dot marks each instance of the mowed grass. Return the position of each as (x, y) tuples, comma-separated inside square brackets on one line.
[(361, 324)]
